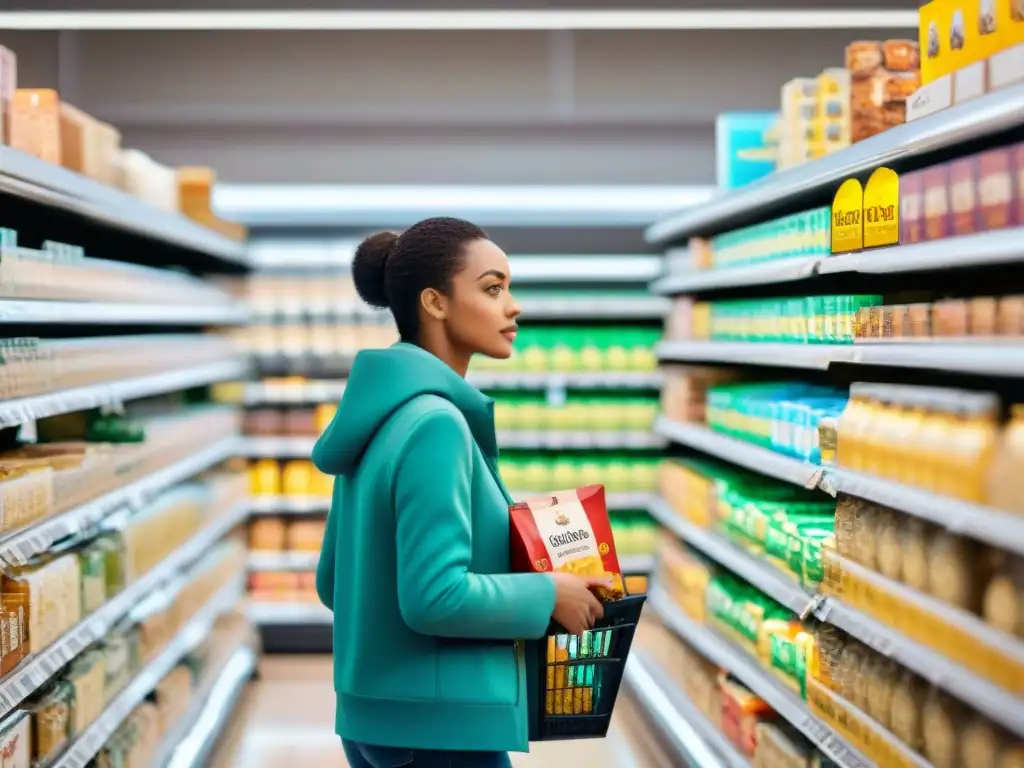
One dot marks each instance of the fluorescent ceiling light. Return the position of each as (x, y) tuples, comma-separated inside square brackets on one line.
[(459, 20), (393, 206)]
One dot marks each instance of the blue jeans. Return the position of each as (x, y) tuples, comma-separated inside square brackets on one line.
[(367, 756)]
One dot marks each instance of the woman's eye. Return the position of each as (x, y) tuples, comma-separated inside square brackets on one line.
[(495, 289)]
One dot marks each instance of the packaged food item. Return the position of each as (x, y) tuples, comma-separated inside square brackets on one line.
[(1010, 316), (982, 316), (950, 318), (50, 713), (943, 721), (742, 712), (959, 569), (568, 531), (963, 204), (996, 189), (16, 740), (267, 534), (35, 123), (935, 181), (8, 85), (981, 744), (47, 593), (778, 745), (1003, 603), (909, 696), (911, 208)]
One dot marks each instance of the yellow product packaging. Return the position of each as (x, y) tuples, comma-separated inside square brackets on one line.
[(951, 36)]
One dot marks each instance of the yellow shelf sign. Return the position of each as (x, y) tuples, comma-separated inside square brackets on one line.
[(848, 217), (882, 209)]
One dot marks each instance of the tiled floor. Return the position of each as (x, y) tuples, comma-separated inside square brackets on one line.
[(286, 720)]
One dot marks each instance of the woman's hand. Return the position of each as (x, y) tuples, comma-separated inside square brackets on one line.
[(576, 608)]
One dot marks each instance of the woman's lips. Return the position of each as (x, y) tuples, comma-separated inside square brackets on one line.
[(510, 335)]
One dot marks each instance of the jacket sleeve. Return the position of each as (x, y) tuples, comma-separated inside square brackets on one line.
[(437, 593), (325, 564)]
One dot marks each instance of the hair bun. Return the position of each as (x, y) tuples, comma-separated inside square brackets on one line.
[(368, 268)]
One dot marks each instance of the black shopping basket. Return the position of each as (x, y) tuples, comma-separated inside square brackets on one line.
[(574, 679)]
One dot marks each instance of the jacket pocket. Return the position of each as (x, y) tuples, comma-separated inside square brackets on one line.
[(484, 674)]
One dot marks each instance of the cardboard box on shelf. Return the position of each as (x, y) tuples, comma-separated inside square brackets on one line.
[(35, 123)]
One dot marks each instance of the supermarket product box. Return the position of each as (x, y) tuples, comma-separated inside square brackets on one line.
[(743, 151), (969, 47), (8, 84), (35, 123)]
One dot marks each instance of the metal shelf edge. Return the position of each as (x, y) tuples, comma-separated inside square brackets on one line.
[(695, 740), (28, 177)]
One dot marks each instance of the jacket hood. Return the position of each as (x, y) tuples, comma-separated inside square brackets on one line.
[(381, 382)]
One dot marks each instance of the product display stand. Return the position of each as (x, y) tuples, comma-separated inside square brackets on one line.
[(117, 432), (849, 599)]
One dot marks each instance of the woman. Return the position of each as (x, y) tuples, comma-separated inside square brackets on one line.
[(415, 560)]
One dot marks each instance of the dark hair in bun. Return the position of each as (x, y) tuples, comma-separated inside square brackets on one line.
[(392, 270)]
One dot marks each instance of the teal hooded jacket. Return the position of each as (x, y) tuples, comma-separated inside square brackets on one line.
[(415, 563)]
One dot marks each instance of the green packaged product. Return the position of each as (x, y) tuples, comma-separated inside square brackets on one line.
[(788, 656), (92, 561)]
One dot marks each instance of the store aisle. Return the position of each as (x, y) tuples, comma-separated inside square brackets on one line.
[(285, 720)]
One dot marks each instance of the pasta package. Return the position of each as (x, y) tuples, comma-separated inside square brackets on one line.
[(570, 532)]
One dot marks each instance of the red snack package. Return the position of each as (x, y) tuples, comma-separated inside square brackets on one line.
[(567, 531)]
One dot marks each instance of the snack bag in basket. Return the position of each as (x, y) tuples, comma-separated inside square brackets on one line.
[(567, 531)]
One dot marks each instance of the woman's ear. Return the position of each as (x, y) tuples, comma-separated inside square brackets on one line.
[(435, 303)]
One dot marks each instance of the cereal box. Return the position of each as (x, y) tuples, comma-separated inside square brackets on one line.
[(567, 531)]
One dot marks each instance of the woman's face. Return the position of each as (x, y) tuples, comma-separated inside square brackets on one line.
[(481, 313)]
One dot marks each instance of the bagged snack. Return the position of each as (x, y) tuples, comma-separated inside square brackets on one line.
[(567, 531)]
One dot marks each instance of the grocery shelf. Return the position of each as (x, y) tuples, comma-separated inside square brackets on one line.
[(30, 674), (19, 547), (993, 526), (26, 409), (290, 505), (786, 190), (33, 179), (982, 249), (740, 452), (807, 356), (579, 380), (283, 561), (731, 657), (288, 613), (278, 447), (259, 392), (695, 740), (987, 698), (766, 577), (329, 391), (973, 355), (765, 273), (604, 308), (191, 741), (116, 313), (637, 565), (91, 740), (579, 268), (977, 521), (583, 440)]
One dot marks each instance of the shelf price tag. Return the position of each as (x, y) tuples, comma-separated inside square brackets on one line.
[(848, 217), (882, 209)]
